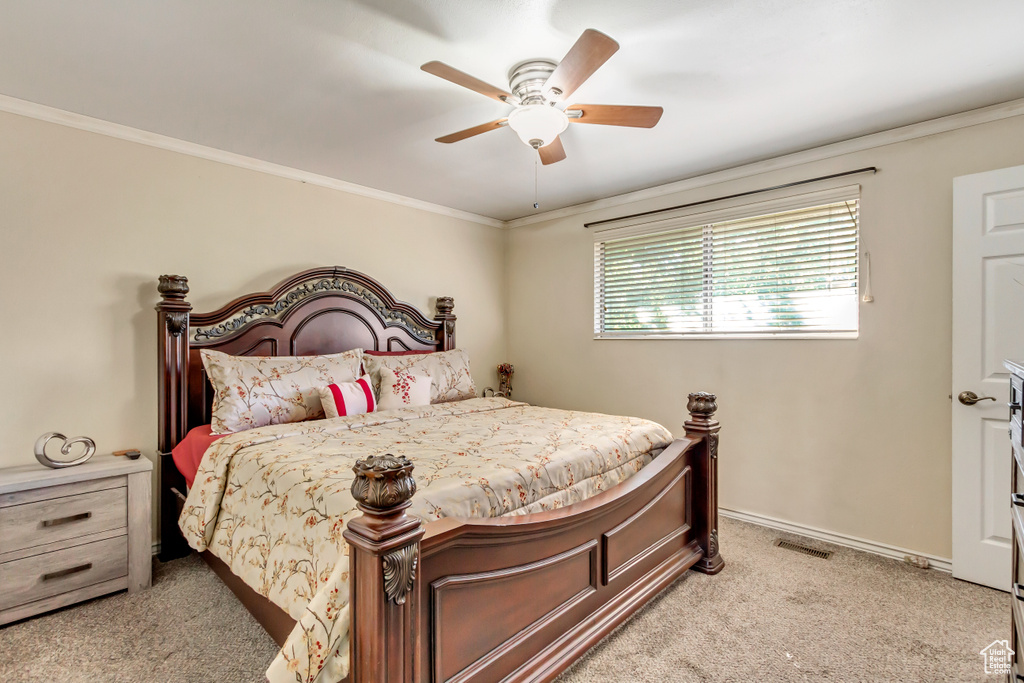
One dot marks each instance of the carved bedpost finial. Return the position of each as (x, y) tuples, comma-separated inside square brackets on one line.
[(701, 406), (383, 482), (173, 306), (173, 286), (445, 305)]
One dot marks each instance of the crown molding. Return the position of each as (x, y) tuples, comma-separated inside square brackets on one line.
[(944, 124), (41, 112)]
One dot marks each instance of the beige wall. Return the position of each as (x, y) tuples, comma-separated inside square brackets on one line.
[(88, 223), (851, 436)]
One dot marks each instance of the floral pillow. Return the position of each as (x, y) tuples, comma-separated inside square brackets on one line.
[(403, 389), (254, 391), (450, 379)]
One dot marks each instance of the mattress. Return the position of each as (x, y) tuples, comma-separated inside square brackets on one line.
[(272, 502)]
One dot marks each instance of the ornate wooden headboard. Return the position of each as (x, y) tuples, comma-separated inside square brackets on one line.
[(323, 310)]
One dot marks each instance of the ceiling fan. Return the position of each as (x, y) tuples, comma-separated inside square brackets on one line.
[(538, 85)]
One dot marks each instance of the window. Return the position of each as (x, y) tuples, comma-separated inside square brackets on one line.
[(785, 272)]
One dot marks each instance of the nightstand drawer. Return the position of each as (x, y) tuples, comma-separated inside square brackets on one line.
[(42, 576), (1015, 617), (1018, 575), (59, 519), (1016, 399)]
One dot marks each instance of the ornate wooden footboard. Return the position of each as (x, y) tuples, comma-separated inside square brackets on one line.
[(520, 598), (512, 598)]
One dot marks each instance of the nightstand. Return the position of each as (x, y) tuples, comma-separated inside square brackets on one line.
[(73, 534)]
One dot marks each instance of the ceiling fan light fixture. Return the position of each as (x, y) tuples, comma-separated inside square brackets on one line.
[(538, 124)]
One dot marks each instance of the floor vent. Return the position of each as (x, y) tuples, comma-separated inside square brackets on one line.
[(789, 545)]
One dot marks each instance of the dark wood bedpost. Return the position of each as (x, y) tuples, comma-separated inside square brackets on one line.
[(384, 548), (172, 392), (446, 335), (702, 425)]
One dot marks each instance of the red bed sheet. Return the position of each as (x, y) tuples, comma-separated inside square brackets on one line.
[(189, 453)]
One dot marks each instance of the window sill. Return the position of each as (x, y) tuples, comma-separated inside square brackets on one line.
[(736, 335)]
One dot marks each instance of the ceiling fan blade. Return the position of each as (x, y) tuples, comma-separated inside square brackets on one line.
[(552, 152), (584, 58), (442, 70), (470, 132), (617, 115)]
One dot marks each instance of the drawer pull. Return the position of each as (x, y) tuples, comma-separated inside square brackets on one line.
[(88, 565), (1014, 407), (1017, 499), (66, 520)]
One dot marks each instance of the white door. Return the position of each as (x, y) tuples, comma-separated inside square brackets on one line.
[(988, 327)]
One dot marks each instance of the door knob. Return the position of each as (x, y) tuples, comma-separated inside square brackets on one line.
[(969, 398)]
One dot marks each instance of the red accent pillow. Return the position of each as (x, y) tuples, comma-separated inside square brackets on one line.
[(348, 398)]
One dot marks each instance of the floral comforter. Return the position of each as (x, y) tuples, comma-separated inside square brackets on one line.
[(272, 502)]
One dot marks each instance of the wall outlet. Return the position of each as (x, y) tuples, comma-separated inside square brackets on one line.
[(917, 561)]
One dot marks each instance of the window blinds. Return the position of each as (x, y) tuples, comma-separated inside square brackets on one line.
[(793, 271)]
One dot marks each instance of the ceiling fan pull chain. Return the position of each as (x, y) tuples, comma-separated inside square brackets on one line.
[(536, 194)]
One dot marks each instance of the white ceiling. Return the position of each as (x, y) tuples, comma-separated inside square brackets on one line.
[(334, 87)]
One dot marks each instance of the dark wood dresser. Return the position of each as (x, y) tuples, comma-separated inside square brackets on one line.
[(1017, 516)]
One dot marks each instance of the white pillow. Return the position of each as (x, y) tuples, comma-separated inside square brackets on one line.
[(253, 391), (450, 379), (348, 398), (403, 389)]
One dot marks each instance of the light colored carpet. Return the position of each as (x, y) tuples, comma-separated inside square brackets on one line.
[(188, 628), (771, 615), (777, 615)]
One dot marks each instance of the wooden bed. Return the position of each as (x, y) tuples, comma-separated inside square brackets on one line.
[(441, 601)]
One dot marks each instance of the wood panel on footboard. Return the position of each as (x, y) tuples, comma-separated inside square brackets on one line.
[(521, 598)]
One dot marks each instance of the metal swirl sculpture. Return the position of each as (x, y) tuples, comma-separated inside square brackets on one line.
[(40, 450)]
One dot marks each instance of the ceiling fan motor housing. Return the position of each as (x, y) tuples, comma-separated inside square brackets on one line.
[(526, 80)]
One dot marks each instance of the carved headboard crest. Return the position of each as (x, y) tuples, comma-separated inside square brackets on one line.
[(303, 290)]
